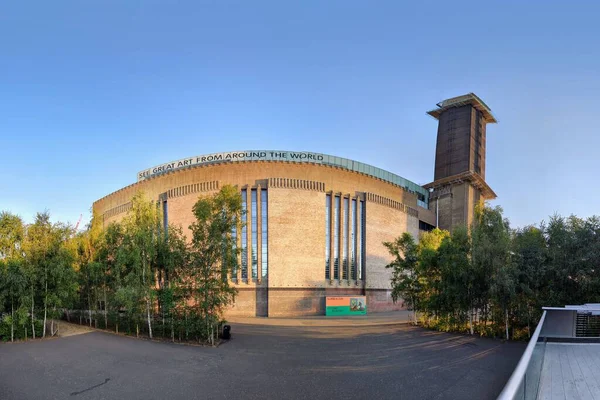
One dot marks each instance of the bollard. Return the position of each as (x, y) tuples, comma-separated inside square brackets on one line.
[(226, 332)]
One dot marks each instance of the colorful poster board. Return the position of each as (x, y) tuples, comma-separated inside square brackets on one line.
[(345, 305)]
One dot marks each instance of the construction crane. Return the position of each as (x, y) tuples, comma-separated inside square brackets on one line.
[(78, 222)]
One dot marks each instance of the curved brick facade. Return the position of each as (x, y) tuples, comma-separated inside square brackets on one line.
[(297, 192)]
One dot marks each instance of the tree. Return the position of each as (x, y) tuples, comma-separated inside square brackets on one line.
[(12, 280), (529, 255), (459, 275), (491, 256), (405, 278), (172, 256), (103, 247), (429, 271), (13, 285), (49, 266), (142, 232), (12, 232), (213, 255)]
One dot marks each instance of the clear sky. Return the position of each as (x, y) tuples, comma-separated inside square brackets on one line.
[(91, 92)]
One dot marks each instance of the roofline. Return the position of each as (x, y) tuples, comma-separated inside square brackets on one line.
[(459, 101), (289, 156), (468, 176)]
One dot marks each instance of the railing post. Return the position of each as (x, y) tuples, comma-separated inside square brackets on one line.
[(519, 375)]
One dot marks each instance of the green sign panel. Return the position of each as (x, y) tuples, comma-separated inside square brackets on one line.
[(346, 305)]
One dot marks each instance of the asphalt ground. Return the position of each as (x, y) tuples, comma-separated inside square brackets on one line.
[(262, 362)]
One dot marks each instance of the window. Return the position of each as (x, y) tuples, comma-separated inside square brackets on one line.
[(353, 241), (225, 262), (478, 137), (244, 236), (254, 233), (345, 240), (234, 240), (336, 238), (363, 236), (327, 236), (424, 226), (361, 240), (265, 233), (165, 211)]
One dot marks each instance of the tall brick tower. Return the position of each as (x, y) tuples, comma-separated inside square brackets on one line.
[(459, 175)]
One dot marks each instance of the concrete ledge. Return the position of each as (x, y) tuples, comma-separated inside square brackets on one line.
[(384, 318)]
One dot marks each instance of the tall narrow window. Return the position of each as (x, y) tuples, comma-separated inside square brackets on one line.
[(165, 210), (336, 238), (327, 236), (264, 246), (363, 228), (345, 240), (225, 261), (353, 240), (359, 241), (234, 242), (244, 236), (254, 233)]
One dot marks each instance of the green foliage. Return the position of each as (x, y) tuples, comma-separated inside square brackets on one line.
[(213, 255), (37, 278), (491, 280), (139, 277), (12, 232), (405, 275)]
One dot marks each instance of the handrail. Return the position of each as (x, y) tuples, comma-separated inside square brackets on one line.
[(513, 384)]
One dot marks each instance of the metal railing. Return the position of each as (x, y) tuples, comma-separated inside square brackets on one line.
[(525, 379), (559, 324)]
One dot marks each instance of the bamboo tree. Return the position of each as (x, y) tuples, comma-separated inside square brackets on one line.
[(143, 231), (405, 274), (213, 255)]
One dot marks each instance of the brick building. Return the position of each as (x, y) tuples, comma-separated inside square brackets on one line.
[(315, 224)]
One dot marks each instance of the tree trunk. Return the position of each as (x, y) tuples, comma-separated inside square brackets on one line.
[(506, 322), (32, 315), (529, 322), (45, 308), (471, 321), (137, 330), (148, 315), (12, 322), (484, 318), (147, 297), (90, 309), (414, 311), (105, 310)]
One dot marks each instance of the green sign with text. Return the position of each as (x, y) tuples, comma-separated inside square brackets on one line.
[(345, 306)]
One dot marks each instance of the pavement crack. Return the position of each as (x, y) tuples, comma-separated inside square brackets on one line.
[(90, 388)]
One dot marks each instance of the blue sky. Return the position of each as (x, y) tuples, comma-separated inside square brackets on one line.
[(91, 92)]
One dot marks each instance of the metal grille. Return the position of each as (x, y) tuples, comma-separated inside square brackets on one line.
[(587, 325)]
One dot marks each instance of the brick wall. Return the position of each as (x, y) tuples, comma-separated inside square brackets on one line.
[(296, 283)]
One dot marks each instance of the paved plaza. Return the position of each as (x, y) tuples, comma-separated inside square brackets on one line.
[(262, 361)]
